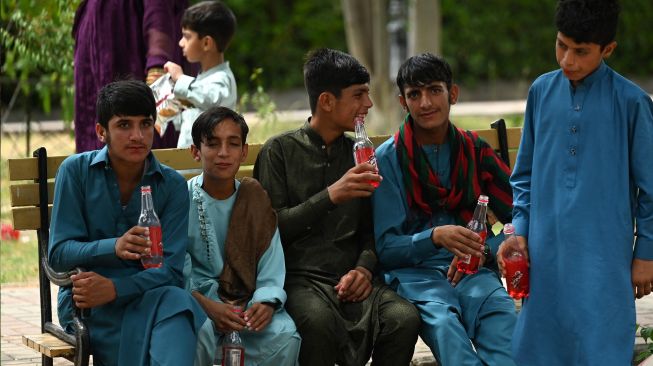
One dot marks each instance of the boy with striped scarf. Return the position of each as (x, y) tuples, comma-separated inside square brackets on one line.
[(433, 173)]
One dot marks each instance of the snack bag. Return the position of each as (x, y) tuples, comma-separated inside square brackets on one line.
[(167, 107)]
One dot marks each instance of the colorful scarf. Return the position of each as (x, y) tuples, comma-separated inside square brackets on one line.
[(475, 169)]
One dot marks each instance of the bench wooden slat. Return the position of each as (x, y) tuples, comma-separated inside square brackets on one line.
[(514, 137), (27, 168), (27, 218), (27, 194), (49, 345)]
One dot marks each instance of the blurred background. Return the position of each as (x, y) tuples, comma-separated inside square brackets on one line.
[(496, 49)]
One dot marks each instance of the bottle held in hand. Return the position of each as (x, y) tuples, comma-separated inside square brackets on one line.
[(515, 264), (150, 220), (233, 351), (470, 264), (363, 147)]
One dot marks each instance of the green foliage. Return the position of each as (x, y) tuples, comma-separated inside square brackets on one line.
[(515, 39), (275, 36), (259, 100), (646, 333), (38, 49)]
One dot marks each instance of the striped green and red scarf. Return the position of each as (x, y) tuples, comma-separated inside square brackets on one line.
[(475, 169)]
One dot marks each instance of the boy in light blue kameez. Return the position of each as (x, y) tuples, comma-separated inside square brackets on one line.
[(582, 182), (235, 256), (207, 30), (137, 316)]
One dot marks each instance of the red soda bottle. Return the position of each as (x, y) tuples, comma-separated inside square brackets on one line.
[(363, 147), (150, 220), (516, 265), (233, 351), (469, 265)]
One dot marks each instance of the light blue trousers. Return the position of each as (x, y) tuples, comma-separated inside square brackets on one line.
[(276, 345)]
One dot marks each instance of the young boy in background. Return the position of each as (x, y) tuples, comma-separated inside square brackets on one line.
[(207, 30), (582, 183), (234, 255)]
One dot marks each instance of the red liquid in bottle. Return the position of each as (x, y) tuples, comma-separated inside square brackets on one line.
[(470, 266), (517, 277), (233, 356), (155, 259), (366, 155)]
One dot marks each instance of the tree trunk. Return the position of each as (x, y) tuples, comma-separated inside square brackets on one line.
[(367, 40), (366, 27), (425, 27)]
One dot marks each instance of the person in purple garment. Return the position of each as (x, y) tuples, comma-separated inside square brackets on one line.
[(117, 40)]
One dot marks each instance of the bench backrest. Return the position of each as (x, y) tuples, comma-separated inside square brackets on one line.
[(24, 172)]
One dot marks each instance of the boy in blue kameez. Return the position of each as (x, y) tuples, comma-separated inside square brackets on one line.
[(433, 174), (137, 316), (582, 183), (235, 256)]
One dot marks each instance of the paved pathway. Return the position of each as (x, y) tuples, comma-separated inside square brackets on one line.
[(19, 309)]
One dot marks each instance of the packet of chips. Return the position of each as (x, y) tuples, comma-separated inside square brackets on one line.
[(167, 107)]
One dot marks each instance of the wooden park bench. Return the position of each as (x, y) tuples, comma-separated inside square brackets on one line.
[(32, 186)]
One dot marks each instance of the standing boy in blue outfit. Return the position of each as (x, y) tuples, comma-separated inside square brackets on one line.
[(137, 316), (235, 256), (581, 182), (433, 173), (207, 30)]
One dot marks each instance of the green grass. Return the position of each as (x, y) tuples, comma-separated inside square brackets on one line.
[(19, 261)]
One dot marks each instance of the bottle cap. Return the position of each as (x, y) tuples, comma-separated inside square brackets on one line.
[(483, 199), (237, 309), (146, 189), (508, 229)]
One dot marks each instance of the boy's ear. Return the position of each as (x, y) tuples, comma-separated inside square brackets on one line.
[(101, 132), (243, 154), (326, 101), (195, 152), (402, 101), (609, 48), (207, 43), (453, 94)]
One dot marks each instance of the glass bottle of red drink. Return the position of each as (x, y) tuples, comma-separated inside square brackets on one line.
[(470, 264), (363, 147), (233, 351), (150, 220), (515, 264)]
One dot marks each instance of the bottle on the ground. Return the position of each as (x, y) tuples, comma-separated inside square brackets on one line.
[(469, 265), (150, 220), (233, 351), (515, 264), (363, 146)]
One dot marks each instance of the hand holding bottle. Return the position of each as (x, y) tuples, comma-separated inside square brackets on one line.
[(134, 243), (512, 258), (354, 184), (258, 316)]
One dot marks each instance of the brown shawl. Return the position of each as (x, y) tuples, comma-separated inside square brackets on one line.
[(251, 227)]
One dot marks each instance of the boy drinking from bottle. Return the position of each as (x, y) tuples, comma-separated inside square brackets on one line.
[(343, 313)]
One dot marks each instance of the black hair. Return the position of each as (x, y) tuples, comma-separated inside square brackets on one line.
[(327, 70), (211, 18), (125, 98), (588, 21), (206, 122), (424, 69)]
